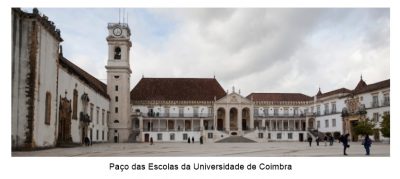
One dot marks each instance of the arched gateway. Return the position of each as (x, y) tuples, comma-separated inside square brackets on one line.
[(233, 114)]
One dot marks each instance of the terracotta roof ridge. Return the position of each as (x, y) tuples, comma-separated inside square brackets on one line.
[(89, 79)]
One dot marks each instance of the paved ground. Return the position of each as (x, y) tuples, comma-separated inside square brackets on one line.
[(271, 149)]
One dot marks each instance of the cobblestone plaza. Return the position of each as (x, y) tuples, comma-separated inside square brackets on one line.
[(271, 149)]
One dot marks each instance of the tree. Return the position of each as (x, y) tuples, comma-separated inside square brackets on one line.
[(385, 125), (364, 127)]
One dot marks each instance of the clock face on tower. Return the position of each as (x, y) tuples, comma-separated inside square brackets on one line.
[(117, 31)]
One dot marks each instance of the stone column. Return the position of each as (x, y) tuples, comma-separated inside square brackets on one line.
[(201, 123), (263, 124), (251, 118), (239, 119), (167, 125), (141, 123), (307, 120), (227, 120), (191, 125)]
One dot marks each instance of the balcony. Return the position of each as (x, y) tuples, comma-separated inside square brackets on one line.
[(385, 103), (84, 117), (177, 115), (375, 104)]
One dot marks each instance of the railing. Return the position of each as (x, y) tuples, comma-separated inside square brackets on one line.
[(280, 116), (155, 129), (375, 104), (385, 103), (180, 115)]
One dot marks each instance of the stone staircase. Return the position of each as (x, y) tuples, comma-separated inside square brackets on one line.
[(314, 134), (236, 139)]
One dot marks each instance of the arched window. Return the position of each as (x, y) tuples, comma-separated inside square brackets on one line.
[(117, 53), (47, 108), (116, 121), (75, 105)]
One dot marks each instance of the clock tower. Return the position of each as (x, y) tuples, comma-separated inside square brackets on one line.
[(118, 81)]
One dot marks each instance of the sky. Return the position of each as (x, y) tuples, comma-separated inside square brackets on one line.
[(255, 50)]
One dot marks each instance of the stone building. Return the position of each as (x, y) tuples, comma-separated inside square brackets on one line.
[(56, 103)]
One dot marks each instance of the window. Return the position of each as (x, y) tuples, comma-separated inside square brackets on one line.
[(180, 111), (116, 121), (97, 134), (172, 136), (116, 77), (102, 135), (296, 111), (97, 115), (116, 98), (116, 109), (48, 109), (326, 108), (318, 110), (275, 111), (333, 122), (256, 112), (102, 117), (269, 135), (279, 136), (266, 111), (333, 106), (375, 117), (260, 135), (318, 124), (210, 135), (375, 101), (185, 136), (290, 135), (326, 123), (91, 112), (117, 53), (116, 87), (386, 100), (159, 136), (108, 116), (312, 109), (286, 111), (75, 105)]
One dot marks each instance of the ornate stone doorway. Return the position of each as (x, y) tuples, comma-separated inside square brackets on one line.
[(64, 127)]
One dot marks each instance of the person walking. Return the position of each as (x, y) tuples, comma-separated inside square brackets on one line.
[(330, 140), (188, 140), (345, 142), (151, 140), (193, 140), (317, 140), (325, 139), (201, 139), (367, 144), (309, 139)]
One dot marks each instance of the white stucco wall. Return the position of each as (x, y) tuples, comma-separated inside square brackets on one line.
[(69, 82)]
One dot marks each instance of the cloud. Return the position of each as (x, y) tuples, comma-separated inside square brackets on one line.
[(257, 50)]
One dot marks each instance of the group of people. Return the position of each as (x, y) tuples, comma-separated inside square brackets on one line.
[(317, 140), (201, 140), (344, 139)]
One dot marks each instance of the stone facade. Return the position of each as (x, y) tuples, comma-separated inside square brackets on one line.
[(55, 102)]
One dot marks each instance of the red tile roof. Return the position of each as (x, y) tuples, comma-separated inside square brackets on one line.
[(330, 93), (91, 81), (372, 87), (279, 97), (177, 89)]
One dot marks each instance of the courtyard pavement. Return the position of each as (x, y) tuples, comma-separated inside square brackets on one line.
[(270, 149)]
